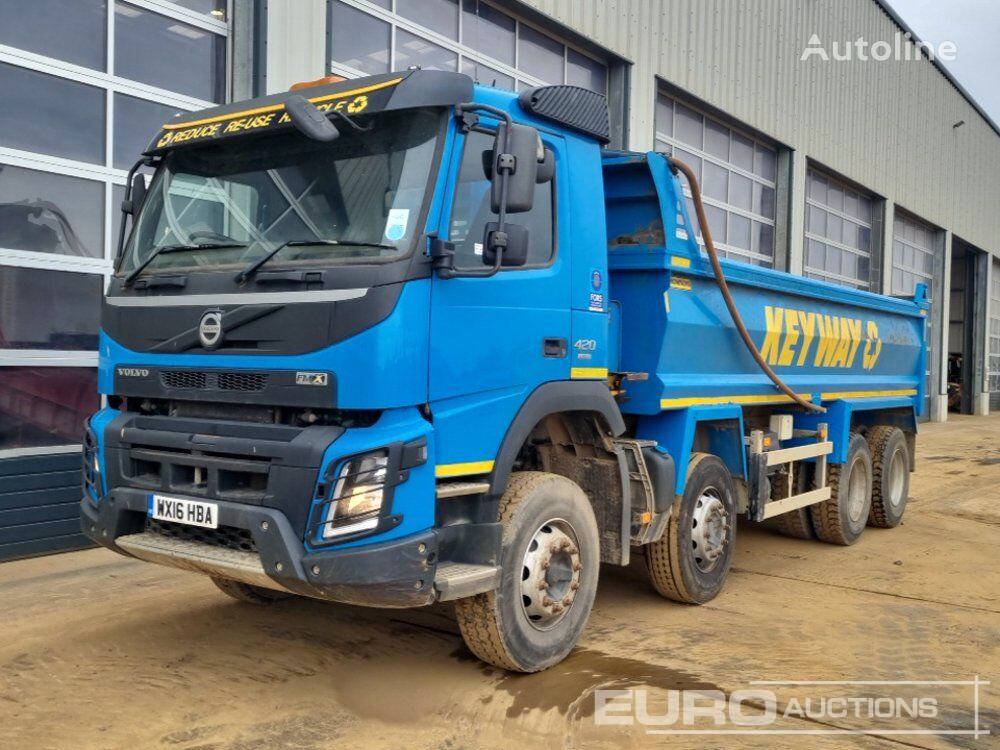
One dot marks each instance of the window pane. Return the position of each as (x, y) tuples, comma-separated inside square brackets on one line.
[(486, 75), (438, 15), (488, 31), (739, 231), (765, 163), (717, 139), (664, 116), (586, 72), (740, 191), (42, 406), (49, 309), (715, 181), (75, 32), (471, 210), (50, 213), (763, 200), (687, 125), (412, 50), (540, 56), (741, 152), (764, 239), (169, 54), (716, 223), (358, 40), (214, 8), (67, 118), (137, 121)]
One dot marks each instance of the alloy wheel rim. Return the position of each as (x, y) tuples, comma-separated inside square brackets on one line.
[(709, 529), (550, 574)]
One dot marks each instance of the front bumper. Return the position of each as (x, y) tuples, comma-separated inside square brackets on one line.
[(397, 573)]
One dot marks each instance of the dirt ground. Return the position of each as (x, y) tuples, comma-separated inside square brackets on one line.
[(97, 651)]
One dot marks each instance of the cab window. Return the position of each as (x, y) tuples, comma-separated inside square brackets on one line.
[(471, 211)]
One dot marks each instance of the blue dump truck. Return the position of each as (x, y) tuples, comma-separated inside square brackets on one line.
[(406, 339)]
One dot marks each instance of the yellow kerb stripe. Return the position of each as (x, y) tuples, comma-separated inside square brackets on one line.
[(669, 403), (867, 394), (672, 403), (588, 372), (458, 470), (279, 107)]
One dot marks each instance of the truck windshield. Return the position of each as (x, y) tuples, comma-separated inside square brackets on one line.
[(244, 198)]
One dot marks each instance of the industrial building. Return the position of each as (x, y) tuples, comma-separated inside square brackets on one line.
[(873, 173)]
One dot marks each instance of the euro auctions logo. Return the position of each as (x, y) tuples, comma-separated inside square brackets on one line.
[(903, 47), (860, 707)]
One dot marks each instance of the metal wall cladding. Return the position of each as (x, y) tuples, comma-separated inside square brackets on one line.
[(886, 125)]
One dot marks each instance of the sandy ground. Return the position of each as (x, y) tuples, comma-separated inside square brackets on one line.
[(97, 651)]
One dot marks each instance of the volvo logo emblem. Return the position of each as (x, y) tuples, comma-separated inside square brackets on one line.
[(210, 329)]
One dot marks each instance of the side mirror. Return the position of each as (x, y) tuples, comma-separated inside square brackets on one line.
[(546, 168), (515, 251), (309, 120), (137, 196), (516, 153)]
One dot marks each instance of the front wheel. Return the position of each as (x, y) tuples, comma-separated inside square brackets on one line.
[(690, 562), (549, 565)]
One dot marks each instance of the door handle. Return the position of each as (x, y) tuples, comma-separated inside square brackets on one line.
[(554, 347)]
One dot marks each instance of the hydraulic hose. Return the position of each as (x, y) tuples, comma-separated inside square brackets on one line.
[(720, 278)]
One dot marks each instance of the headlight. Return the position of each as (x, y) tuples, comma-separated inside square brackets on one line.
[(91, 465), (356, 503)]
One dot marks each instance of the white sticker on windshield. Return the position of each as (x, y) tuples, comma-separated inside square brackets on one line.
[(395, 227)]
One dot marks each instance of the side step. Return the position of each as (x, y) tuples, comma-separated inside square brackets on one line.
[(461, 489), (459, 580)]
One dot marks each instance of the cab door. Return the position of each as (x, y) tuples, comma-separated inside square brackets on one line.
[(495, 339)]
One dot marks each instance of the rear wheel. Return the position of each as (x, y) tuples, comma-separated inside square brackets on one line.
[(244, 592), (890, 476), (842, 518), (690, 562), (795, 523), (549, 566)]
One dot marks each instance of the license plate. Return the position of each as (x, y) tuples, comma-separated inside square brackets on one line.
[(181, 510)]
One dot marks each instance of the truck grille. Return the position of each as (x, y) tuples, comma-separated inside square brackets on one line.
[(245, 382), (225, 536), (236, 478)]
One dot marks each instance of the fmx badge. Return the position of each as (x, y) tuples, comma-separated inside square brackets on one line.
[(311, 378)]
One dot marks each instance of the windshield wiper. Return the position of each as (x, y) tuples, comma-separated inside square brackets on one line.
[(250, 270), (164, 249)]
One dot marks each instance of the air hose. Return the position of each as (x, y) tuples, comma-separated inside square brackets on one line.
[(720, 278)]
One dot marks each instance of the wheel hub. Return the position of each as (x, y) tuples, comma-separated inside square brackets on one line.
[(897, 478), (550, 574), (709, 529), (857, 491)]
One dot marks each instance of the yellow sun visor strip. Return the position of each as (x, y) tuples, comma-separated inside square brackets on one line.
[(261, 119), (280, 106)]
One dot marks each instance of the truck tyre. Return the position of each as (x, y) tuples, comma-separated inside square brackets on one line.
[(795, 523), (842, 518), (890, 475), (689, 563), (244, 592), (550, 560)]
